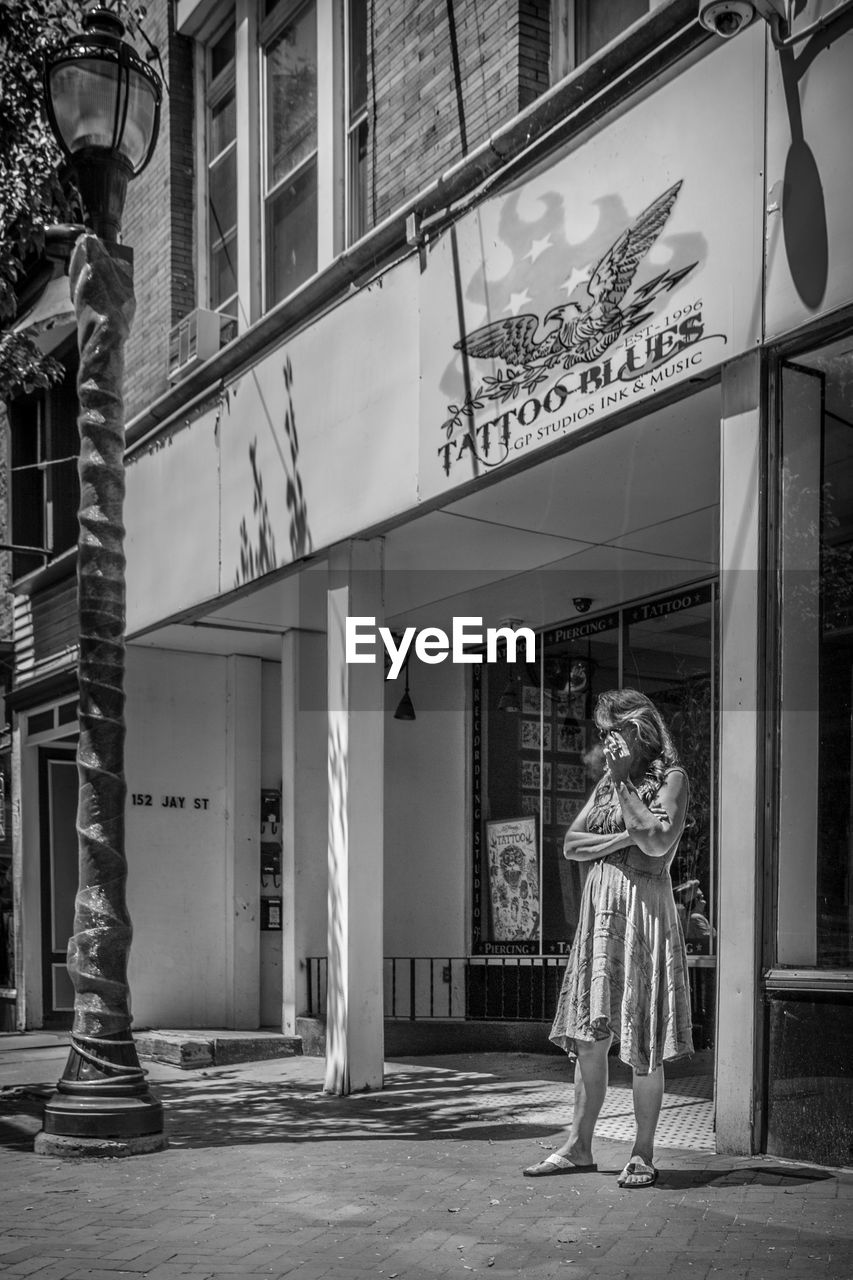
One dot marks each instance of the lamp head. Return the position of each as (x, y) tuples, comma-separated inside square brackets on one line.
[(103, 104), (405, 708)]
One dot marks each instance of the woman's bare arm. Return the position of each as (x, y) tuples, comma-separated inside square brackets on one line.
[(580, 845), (587, 846), (655, 831)]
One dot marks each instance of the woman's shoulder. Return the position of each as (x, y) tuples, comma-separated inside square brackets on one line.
[(673, 775), (662, 775)]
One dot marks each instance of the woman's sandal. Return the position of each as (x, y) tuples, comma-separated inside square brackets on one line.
[(637, 1174), (555, 1164)]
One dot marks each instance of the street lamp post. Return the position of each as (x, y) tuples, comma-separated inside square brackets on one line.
[(103, 103)]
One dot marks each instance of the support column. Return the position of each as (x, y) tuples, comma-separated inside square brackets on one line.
[(354, 1018), (741, 755)]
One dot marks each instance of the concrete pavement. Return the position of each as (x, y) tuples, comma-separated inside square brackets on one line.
[(266, 1176)]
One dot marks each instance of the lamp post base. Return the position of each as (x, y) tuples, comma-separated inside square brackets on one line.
[(66, 1148), (102, 1105), (86, 1124)]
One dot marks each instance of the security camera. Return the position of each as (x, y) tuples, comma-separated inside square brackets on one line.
[(726, 18)]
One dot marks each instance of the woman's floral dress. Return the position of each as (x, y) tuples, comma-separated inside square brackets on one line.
[(627, 971)]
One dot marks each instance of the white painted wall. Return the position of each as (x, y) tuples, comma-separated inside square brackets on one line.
[(193, 883)]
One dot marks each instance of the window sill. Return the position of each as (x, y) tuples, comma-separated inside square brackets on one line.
[(62, 566), (819, 981)]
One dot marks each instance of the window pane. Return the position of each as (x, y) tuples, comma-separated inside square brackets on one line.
[(45, 501), (222, 53), (63, 486), (223, 275), (600, 21), (292, 235), (358, 182), (540, 762), (669, 655), (576, 667), (223, 125), (25, 415), (815, 905), (292, 95), (223, 196), (357, 57)]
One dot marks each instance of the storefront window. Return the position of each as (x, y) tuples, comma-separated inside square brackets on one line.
[(815, 843), (669, 655), (537, 758)]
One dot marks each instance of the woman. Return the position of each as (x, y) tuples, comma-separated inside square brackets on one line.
[(627, 972)]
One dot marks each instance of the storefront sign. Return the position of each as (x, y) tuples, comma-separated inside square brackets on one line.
[(669, 606), (630, 264)]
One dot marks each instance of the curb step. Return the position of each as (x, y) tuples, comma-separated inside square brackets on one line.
[(190, 1050)]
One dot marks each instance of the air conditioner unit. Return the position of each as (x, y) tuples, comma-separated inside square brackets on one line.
[(195, 339)]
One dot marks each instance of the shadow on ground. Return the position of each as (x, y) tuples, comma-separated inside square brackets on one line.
[(442, 1097), (747, 1176), (418, 1105), (21, 1111)]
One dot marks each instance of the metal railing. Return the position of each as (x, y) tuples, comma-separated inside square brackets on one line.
[(467, 988)]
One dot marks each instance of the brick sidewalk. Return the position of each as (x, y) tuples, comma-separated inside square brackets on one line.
[(268, 1177)]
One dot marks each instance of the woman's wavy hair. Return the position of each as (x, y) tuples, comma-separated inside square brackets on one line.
[(617, 705)]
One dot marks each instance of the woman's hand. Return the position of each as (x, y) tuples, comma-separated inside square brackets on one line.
[(617, 756)]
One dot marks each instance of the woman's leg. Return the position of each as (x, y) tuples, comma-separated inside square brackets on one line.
[(591, 1074), (648, 1096)]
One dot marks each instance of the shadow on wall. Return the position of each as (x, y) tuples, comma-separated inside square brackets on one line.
[(804, 222), (258, 553)]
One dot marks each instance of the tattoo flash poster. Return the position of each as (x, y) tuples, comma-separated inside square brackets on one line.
[(513, 862)]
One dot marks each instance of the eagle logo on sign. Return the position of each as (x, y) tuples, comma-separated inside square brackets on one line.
[(575, 333)]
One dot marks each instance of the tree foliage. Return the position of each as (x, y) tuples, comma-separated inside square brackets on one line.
[(33, 190)]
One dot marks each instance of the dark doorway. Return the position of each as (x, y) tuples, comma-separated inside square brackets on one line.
[(58, 790)]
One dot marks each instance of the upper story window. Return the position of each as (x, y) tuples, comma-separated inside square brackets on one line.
[(281, 100), (221, 145), (581, 27), (358, 129), (292, 141), (45, 489)]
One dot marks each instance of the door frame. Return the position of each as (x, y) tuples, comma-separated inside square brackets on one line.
[(47, 755)]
